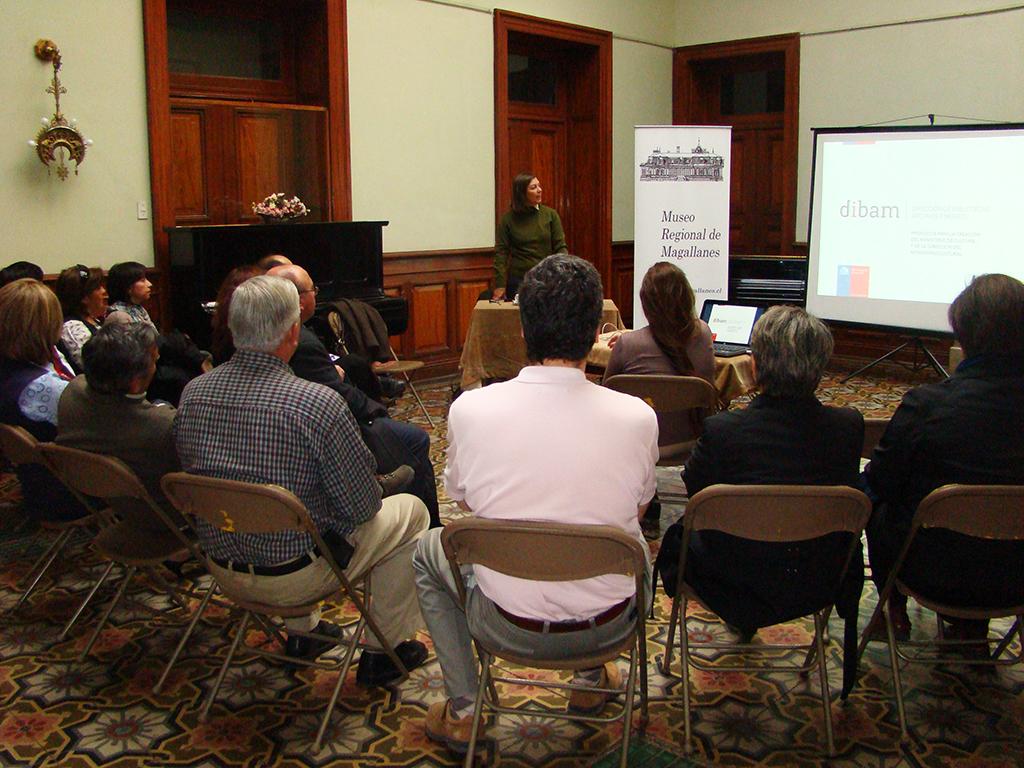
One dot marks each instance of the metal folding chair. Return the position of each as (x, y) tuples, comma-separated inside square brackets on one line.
[(553, 552), (20, 448), (767, 513), (248, 508), (987, 512), (119, 537)]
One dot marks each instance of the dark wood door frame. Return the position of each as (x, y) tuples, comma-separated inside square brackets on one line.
[(686, 97), (158, 109), (599, 218)]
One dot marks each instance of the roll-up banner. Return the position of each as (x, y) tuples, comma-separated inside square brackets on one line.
[(682, 207)]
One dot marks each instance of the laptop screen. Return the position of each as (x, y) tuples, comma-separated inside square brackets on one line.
[(731, 323)]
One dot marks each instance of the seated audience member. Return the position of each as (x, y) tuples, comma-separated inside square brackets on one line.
[(967, 429), (106, 411), (675, 342), (253, 420), (83, 299), (579, 453), (19, 270), (31, 385), (267, 263), (392, 442), (180, 360), (784, 437), (222, 347)]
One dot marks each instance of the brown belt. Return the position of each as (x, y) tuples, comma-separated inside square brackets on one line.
[(536, 625)]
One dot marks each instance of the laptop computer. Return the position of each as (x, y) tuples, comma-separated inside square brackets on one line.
[(731, 324)]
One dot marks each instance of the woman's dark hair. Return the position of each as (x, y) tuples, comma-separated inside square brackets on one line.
[(18, 271), (222, 345), (121, 277), (73, 285), (988, 316), (519, 185), (668, 304), (560, 304)]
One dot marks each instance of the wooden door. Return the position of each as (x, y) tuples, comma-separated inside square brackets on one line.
[(227, 157), (750, 85), (538, 147)]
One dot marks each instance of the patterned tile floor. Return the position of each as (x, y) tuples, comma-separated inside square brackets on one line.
[(56, 712)]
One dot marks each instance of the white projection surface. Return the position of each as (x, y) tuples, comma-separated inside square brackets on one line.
[(902, 220)]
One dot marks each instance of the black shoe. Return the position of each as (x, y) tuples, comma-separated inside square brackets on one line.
[(746, 635), (396, 481), (377, 669), (391, 387), (309, 648)]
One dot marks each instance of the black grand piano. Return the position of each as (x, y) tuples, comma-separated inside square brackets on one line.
[(344, 258)]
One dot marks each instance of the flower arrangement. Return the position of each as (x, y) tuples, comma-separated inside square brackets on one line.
[(278, 207)]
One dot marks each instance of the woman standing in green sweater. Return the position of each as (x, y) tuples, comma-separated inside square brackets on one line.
[(527, 233)]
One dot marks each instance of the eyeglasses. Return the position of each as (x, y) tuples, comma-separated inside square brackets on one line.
[(315, 290)]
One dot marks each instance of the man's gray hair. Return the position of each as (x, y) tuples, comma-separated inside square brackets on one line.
[(262, 311), (117, 355), (791, 349)]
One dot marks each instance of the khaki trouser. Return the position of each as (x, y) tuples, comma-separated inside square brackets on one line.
[(383, 544)]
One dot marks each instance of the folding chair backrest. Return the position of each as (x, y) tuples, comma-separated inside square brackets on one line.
[(542, 551), (778, 513), (874, 428), (91, 474), (18, 445), (982, 511), (236, 506), (681, 402)]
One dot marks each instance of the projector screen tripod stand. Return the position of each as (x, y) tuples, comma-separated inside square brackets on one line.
[(917, 345)]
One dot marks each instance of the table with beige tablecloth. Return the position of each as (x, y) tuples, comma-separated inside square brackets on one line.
[(734, 376), (494, 346)]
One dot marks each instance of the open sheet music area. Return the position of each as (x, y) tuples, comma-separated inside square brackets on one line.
[(494, 349)]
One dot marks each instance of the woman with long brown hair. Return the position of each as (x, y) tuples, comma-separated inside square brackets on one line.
[(675, 342), (83, 300)]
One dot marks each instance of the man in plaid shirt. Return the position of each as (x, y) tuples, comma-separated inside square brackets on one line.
[(253, 420)]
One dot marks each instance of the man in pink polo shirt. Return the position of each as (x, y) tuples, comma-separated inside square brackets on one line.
[(548, 445)]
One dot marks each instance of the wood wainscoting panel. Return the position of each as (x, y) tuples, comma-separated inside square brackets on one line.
[(621, 288), (467, 293), (429, 321), (441, 287)]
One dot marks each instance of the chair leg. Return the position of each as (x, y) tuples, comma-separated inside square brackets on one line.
[(875, 616), (644, 717), (346, 663), (177, 599), (416, 394), (106, 614), (826, 695), (666, 663), (49, 556), (897, 683), (627, 712), (478, 705), (85, 602), (184, 638), (684, 649), (363, 606), (205, 711), (1008, 638)]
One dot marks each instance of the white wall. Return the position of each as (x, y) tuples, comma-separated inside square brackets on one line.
[(421, 104), (90, 218), (968, 66)]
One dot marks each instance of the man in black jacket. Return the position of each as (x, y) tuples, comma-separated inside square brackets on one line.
[(392, 442), (967, 429)]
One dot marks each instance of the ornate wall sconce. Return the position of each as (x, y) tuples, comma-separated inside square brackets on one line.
[(58, 140)]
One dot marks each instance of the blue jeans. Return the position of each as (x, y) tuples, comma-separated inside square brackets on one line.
[(417, 445)]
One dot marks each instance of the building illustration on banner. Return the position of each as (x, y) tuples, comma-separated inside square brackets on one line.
[(699, 164)]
